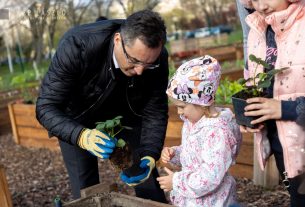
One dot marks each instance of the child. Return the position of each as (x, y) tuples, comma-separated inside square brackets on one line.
[(277, 36), (210, 139)]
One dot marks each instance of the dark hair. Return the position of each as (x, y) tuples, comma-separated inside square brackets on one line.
[(100, 18), (146, 25)]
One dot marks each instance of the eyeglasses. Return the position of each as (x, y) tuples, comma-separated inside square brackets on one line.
[(134, 61)]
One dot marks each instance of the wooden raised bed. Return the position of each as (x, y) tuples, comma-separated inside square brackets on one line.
[(101, 195), (5, 195), (5, 124), (244, 162), (5, 98), (26, 129)]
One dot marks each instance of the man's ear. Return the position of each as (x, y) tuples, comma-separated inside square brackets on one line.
[(117, 38)]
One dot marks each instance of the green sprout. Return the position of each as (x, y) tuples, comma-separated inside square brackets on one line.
[(113, 127), (260, 80)]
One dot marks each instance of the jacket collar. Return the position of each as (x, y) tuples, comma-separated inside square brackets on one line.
[(280, 21)]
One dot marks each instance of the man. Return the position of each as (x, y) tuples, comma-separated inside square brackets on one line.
[(102, 70)]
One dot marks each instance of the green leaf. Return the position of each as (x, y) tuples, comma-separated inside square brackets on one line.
[(264, 84), (127, 127), (262, 76), (109, 124), (120, 143), (258, 61), (101, 126), (118, 117)]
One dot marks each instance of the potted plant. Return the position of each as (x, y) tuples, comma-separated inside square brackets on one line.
[(252, 87), (121, 158)]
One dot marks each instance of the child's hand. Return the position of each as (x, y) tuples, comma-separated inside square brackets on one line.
[(264, 108), (244, 129), (166, 182), (167, 154)]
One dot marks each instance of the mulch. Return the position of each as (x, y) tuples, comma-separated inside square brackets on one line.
[(36, 176)]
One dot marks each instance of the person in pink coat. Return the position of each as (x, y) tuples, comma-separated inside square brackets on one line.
[(210, 139), (277, 35)]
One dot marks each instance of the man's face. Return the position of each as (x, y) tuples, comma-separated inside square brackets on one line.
[(134, 59), (267, 7)]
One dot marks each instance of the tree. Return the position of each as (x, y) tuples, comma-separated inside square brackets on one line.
[(76, 11), (103, 7), (37, 16), (212, 12), (132, 6)]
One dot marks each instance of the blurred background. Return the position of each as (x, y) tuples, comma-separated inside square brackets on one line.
[(30, 31)]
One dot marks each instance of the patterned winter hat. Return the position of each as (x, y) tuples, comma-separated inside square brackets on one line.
[(196, 81), (248, 3)]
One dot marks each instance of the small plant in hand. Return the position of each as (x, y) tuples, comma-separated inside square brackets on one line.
[(121, 158), (252, 87)]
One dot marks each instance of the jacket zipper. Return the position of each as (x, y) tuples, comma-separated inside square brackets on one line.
[(130, 84), (99, 98)]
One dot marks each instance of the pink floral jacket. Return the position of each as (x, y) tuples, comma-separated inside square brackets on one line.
[(288, 26), (208, 149)]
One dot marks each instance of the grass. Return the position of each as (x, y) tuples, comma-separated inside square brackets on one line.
[(13, 80), (235, 37)]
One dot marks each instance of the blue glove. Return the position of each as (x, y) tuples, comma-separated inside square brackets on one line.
[(97, 143), (138, 172)]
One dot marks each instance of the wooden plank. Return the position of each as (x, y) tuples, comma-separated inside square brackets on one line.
[(50, 143), (13, 123), (233, 74), (24, 109), (23, 120), (242, 171), (92, 190), (269, 177), (38, 133), (5, 195), (174, 129), (172, 141), (5, 123), (245, 155)]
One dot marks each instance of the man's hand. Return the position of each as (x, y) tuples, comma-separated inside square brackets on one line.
[(97, 143), (166, 182), (167, 154), (138, 172)]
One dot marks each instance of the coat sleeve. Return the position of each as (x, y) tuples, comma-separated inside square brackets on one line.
[(294, 110), (155, 114), (176, 159), (215, 162), (58, 83)]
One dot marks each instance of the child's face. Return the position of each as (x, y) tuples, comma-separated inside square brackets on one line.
[(267, 7), (191, 112)]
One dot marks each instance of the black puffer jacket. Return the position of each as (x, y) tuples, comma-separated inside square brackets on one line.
[(81, 81)]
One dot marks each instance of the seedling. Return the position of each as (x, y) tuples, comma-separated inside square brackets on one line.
[(252, 87), (260, 81), (121, 158)]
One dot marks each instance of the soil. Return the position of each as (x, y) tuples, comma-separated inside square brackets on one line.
[(121, 158), (36, 176)]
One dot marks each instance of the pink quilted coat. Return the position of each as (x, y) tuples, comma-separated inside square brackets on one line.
[(289, 28), (208, 149)]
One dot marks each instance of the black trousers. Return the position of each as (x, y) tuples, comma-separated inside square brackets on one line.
[(83, 172)]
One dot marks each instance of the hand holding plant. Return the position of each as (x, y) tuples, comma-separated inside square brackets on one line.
[(121, 156), (250, 103)]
